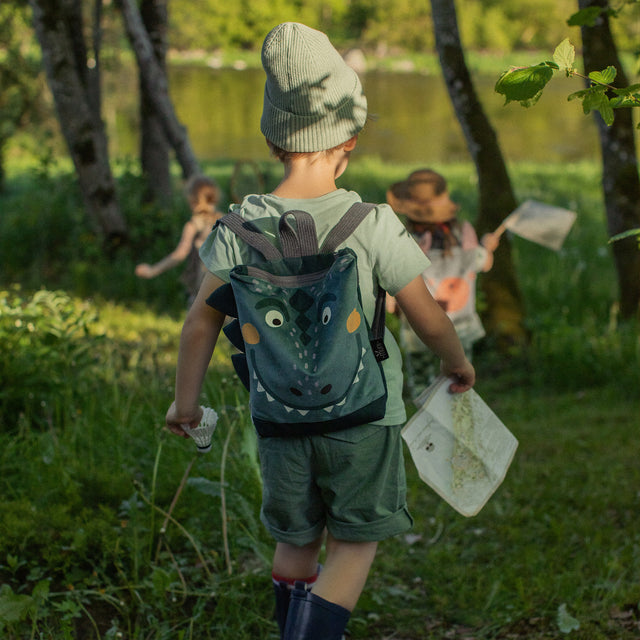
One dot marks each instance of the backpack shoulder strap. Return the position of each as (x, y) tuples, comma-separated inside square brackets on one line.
[(247, 231), (346, 226), (301, 241)]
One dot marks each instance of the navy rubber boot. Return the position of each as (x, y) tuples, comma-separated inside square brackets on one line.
[(311, 617), (282, 592)]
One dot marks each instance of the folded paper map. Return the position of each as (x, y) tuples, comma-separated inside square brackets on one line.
[(460, 448)]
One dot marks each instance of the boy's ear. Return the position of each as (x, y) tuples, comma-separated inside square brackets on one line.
[(350, 144)]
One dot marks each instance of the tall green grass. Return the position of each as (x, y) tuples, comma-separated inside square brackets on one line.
[(111, 528)]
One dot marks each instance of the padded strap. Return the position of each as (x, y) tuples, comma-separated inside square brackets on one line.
[(248, 232), (346, 226)]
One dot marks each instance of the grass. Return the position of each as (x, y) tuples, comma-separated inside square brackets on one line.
[(112, 528)]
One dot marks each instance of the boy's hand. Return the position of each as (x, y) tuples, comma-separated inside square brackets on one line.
[(175, 421), (464, 377)]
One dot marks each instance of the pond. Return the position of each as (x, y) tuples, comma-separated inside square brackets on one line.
[(414, 119)]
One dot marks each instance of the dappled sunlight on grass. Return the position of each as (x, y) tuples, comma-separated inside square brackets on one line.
[(110, 522)]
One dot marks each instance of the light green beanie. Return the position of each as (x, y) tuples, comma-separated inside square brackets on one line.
[(313, 100)]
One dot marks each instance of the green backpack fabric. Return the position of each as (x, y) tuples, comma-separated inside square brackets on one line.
[(308, 357)]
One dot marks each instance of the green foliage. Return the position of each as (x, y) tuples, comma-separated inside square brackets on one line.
[(111, 527), (382, 26), (43, 347), (19, 63), (525, 85)]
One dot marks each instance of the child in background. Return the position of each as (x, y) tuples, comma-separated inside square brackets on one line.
[(346, 489), (456, 257), (203, 195)]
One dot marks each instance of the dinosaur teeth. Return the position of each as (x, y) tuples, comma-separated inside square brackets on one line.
[(303, 412)]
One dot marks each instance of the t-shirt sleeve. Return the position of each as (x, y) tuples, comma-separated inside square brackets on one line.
[(398, 258), (220, 252)]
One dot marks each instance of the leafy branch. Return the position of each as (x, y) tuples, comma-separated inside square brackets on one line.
[(525, 84)]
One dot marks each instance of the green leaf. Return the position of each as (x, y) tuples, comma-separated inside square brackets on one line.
[(525, 85), (596, 100), (625, 101), (627, 91), (585, 17), (13, 607), (578, 95), (625, 234), (604, 77), (566, 622), (205, 486), (565, 55)]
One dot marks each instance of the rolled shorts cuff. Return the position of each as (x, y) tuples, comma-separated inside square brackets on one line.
[(298, 538), (394, 524)]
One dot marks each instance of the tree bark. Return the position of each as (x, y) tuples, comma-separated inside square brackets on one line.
[(156, 88), (504, 317), (620, 180), (58, 26), (154, 148)]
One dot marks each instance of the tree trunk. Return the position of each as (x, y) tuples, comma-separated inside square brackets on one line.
[(155, 82), (620, 180), (154, 149), (504, 317), (58, 26)]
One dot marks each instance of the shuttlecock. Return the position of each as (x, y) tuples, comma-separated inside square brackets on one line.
[(203, 432)]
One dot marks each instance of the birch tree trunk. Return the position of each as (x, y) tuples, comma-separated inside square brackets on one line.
[(156, 88), (504, 317), (154, 149), (59, 28), (620, 180)]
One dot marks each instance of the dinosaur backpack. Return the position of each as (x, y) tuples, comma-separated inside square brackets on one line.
[(307, 356)]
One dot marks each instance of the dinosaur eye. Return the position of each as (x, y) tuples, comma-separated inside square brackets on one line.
[(274, 318), (326, 315)]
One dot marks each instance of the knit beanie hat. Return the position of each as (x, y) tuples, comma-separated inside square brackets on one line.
[(313, 100)]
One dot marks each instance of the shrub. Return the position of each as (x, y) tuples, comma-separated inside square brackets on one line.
[(48, 357)]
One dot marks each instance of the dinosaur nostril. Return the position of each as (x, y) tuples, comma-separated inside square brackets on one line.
[(325, 390), (296, 392)]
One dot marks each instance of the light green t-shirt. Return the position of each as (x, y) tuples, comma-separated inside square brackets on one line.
[(385, 251)]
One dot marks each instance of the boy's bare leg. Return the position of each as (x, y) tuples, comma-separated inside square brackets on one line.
[(343, 574), (345, 571), (291, 561)]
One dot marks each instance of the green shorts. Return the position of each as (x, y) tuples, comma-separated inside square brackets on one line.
[(352, 482)]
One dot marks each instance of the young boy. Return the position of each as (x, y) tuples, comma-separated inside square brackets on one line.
[(344, 489), (203, 195), (456, 257)]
